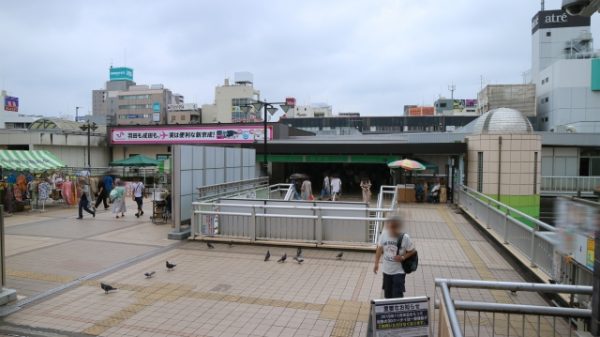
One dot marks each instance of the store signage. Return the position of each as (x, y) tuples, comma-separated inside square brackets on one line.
[(406, 317), (189, 134), (121, 74), (182, 107), (11, 103), (557, 19)]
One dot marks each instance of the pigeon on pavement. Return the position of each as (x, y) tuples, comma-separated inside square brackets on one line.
[(299, 259), (339, 256), (283, 258), (267, 256), (107, 287), (149, 274), (209, 245), (299, 252), (170, 265)]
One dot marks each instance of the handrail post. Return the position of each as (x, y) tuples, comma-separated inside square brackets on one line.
[(319, 226), (253, 224), (506, 227), (532, 248)]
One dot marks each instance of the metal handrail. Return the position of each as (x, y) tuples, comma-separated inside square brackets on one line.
[(314, 208), (510, 209), (451, 306)]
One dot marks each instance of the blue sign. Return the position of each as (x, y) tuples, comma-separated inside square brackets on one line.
[(11, 103), (156, 107), (121, 74)]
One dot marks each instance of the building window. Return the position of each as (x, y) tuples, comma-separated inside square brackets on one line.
[(546, 99), (535, 169), (548, 34), (480, 172), (182, 117)]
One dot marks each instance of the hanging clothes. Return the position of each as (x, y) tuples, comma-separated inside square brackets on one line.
[(67, 192), (44, 189)]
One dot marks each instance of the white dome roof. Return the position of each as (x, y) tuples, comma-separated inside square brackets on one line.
[(501, 120)]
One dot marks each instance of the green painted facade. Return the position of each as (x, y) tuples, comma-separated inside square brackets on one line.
[(528, 204)]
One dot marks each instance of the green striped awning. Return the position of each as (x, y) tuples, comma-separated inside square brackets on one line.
[(29, 160)]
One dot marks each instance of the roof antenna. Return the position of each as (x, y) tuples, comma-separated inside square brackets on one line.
[(543, 5)]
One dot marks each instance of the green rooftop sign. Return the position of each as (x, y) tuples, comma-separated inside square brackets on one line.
[(121, 74)]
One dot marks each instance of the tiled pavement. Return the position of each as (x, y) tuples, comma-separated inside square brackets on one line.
[(230, 291)]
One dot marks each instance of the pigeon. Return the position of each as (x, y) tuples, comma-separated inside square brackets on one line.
[(149, 274), (283, 258), (299, 252), (230, 244), (107, 287), (299, 259), (170, 266), (209, 245), (339, 256), (267, 256)]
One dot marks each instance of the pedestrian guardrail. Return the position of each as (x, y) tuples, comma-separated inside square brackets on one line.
[(213, 192), (386, 194), (569, 185), (279, 220), (533, 238), (458, 318)]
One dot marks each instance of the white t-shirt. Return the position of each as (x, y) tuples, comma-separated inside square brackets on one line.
[(138, 188), (336, 185), (390, 249)]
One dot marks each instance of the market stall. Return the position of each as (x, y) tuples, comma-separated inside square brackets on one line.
[(31, 178)]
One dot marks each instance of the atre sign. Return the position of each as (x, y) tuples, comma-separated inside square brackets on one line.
[(557, 19), (237, 134)]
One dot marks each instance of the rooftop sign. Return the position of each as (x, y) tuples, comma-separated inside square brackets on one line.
[(121, 74), (557, 19), (189, 134)]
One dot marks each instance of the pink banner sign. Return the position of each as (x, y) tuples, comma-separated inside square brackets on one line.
[(189, 134)]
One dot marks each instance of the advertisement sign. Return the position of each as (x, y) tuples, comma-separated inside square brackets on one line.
[(576, 224), (121, 74), (156, 107), (182, 107), (236, 134), (11, 103), (156, 117), (407, 317)]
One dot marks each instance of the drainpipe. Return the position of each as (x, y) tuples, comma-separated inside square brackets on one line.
[(499, 165)]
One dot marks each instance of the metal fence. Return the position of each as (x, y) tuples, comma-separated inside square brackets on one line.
[(533, 238), (458, 318), (556, 185)]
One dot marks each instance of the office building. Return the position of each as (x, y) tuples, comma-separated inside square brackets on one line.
[(565, 73), (449, 106), (232, 101), (104, 101), (520, 97)]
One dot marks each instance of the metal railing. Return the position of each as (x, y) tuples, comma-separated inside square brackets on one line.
[(555, 185), (519, 320), (294, 221), (213, 192), (386, 192), (533, 238), (281, 191)]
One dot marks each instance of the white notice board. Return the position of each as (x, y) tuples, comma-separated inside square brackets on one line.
[(400, 317)]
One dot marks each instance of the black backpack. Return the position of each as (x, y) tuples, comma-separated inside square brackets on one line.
[(409, 265)]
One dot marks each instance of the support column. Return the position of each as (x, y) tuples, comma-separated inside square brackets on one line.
[(6, 295), (595, 323)]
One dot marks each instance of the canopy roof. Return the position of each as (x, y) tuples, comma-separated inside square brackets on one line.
[(29, 160), (136, 161)]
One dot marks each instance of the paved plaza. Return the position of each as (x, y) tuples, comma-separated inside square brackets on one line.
[(228, 290)]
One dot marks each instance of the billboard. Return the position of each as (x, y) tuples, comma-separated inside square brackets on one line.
[(11, 103), (557, 19), (190, 134), (121, 74)]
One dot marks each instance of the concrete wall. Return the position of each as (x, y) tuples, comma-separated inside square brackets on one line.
[(126, 151), (510, 173), (76, 156)]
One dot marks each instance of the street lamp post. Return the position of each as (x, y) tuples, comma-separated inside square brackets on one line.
[(89, 127), (268, 107)]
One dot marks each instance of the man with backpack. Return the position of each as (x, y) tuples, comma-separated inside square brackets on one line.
[(399, 257)]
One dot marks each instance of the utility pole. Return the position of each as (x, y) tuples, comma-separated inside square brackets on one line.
[(77, 113)]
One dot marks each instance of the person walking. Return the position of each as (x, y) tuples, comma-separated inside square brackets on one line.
[(306, 190), (117, 195), (365, 186), (396, 247), (105, 186), (326, 190), (84, 198), (138, 196), (336, 187)]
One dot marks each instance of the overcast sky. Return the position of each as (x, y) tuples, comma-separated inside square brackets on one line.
[(367, 56)]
